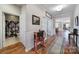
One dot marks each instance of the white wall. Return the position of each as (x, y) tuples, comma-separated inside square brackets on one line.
[(8, 8), (76, 13), (11, 9), (32, 10), (23, 25), (0, 29), (26, 28)]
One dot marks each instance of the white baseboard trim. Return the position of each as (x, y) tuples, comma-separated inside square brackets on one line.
[(26, 50)]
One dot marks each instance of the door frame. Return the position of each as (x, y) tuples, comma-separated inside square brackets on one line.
[(3, 26)]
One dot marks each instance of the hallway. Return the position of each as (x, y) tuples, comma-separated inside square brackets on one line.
[(30, 26), (39, 29)]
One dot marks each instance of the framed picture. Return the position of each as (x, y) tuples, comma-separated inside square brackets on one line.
[(11, 25), (35, 20), (76, 21)]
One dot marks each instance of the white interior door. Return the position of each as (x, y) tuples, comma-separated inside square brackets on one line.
[(44, 25), (50, 27), (47, 26)]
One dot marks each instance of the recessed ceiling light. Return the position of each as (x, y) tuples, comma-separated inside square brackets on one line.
[(59, 7)]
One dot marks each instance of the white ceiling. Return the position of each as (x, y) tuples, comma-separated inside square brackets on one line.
[(19, 5), (68, 11)]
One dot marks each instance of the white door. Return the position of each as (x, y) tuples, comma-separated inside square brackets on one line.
[(50, 27), (44, 25)]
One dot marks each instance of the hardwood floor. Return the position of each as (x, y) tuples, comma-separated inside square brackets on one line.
[(42, 50), (70, 48), (18, 48), (13, 49)]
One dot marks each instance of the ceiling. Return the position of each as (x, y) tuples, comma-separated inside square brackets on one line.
[(68, 11), (19, 5)]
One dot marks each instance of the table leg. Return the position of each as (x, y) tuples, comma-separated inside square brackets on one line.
[(69, 39)]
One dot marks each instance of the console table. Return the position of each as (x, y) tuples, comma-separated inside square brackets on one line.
[(74, 40)]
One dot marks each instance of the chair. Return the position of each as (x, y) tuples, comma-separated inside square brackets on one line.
[(38, 39)]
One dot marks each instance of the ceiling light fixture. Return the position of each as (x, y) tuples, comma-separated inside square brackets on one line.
[(59, 7)]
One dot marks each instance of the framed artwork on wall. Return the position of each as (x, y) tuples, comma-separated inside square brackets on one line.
[(76, 21), (11, 25), (35, 20)]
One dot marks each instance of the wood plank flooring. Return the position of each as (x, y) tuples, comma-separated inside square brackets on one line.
[(70, 48), (13, 49), (44, 50), (18, 48)]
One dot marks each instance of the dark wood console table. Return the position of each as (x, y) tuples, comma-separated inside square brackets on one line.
[(74, 40)]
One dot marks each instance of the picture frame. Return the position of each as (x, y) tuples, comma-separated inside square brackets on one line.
[(35, 20), (76, 21), (11, 25)]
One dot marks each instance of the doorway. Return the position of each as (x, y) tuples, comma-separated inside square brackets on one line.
[(50, 27), (47, 26), (10, 29), (62, 23)]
